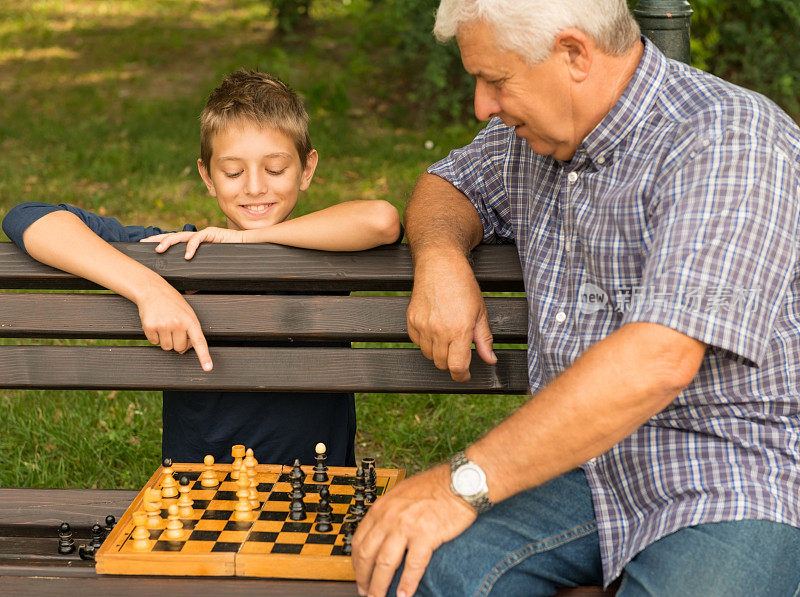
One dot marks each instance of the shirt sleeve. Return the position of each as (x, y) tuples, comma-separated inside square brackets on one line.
[(477, 171), (109, 229), (723, 247)]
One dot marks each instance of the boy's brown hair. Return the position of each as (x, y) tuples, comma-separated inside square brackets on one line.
[(255, 97)]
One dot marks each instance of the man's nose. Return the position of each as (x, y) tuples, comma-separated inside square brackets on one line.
[(486, 105)]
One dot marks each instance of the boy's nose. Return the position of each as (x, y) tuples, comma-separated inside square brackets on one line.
[(256, 184)]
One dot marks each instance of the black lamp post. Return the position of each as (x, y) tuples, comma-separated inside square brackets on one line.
[(666, 23)]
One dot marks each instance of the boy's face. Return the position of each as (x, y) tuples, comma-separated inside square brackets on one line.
[(256, 176)]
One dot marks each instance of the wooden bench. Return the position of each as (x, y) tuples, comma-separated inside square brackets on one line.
[(233, 304)]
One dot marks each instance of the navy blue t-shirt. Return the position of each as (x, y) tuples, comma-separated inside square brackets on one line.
[(278, 426)]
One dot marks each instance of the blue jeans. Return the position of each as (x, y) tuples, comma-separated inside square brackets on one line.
[(546, 538)]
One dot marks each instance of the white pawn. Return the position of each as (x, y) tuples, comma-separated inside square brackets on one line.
[(140, 534), (174, 530), (253, 493), (185, 503), (152, 504), (169, 488), (207, 477), (243, 506)]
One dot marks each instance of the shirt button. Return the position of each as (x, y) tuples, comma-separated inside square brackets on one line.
[(600, 160), (561, 317), (568, 246), (572, 176)]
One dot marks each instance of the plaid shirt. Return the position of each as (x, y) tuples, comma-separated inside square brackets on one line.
[(680, 208)]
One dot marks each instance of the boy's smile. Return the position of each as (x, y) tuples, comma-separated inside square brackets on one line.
[(256, 175)]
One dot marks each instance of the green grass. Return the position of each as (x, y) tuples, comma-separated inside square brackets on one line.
[(99, 102)]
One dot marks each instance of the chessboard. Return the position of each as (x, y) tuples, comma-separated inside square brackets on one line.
[(214, 541)]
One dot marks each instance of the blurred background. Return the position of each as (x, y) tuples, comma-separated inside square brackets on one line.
[(99, 105)]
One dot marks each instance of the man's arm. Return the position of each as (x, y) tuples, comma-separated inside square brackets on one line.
[(348, 226), (60, 239), (446, 313), (612, 389)]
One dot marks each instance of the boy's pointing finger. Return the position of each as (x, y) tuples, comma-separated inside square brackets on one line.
[(201, 347)]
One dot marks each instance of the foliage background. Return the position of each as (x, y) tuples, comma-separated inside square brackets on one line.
[(98, 107)]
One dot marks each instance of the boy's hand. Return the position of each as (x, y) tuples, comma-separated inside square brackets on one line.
[(193, 239), (169, 321)]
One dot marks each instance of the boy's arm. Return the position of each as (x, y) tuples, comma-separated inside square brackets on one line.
[(166, 317), (348, 226)]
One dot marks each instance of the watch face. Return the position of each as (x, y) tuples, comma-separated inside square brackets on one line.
[(468, 480)]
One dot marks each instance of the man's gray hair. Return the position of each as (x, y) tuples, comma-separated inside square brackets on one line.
[(529, 27)]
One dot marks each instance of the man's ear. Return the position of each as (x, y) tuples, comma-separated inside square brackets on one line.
[(577, 49), (201, 168), (308, 171)]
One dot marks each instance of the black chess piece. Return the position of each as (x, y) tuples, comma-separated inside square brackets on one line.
[(86, 552), (297, 509), (320, 470), (66, 544), (370, 479), (167, 462), (324, 512), (97, 536), (184, 480), (347, 548), (359, 496), (110, 522), (349, 528)]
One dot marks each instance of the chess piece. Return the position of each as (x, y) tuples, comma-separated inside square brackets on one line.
[(140, 535), (110, 522), (238, 453), (320, 470), (249, 460), (359, 497), (347, 548), (152, 505), (174, 531), (297, 509), (324, 512), (169, 487), (66, 544), (371, 489), (349, 528), (97, 536), (243, 507), (86, 552), (253, 490), (207, 477), (185, 503)]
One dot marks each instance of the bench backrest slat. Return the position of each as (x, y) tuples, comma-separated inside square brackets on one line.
[(238, 317), (265, 268), (252, 369)]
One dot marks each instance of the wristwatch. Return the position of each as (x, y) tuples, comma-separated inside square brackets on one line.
[(468, 481)]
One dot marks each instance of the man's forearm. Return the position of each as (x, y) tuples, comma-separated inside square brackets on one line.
[(439, 216), (612, 389)]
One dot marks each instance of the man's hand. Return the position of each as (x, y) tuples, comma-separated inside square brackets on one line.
[(193, 239), (169, 321), (412, 520), (447, 313)]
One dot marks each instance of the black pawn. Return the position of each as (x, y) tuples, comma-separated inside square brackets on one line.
[(167, 462), (347, 548), (86, 552), (66, 544), (320, 470), (110, 522), (184, 480), (97, 536), (348, 528), (324, 512)]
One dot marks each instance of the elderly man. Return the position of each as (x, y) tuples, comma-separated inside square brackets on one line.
[(655, 209)]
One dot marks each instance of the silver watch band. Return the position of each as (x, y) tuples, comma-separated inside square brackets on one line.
[(480, 502)]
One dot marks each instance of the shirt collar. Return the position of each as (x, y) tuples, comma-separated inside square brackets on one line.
[(630, 109)]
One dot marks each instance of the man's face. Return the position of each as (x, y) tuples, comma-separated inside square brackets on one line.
[(256, 176), (535, 100)]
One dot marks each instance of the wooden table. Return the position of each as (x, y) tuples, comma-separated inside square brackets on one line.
[(31, 565)]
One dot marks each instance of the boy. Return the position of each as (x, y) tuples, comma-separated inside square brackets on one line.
[(256, 157)]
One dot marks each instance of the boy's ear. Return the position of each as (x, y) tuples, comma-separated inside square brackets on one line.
[(308, 171), (201, 167)]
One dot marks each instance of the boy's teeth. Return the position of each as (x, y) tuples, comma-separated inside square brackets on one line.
[(257, 207)]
